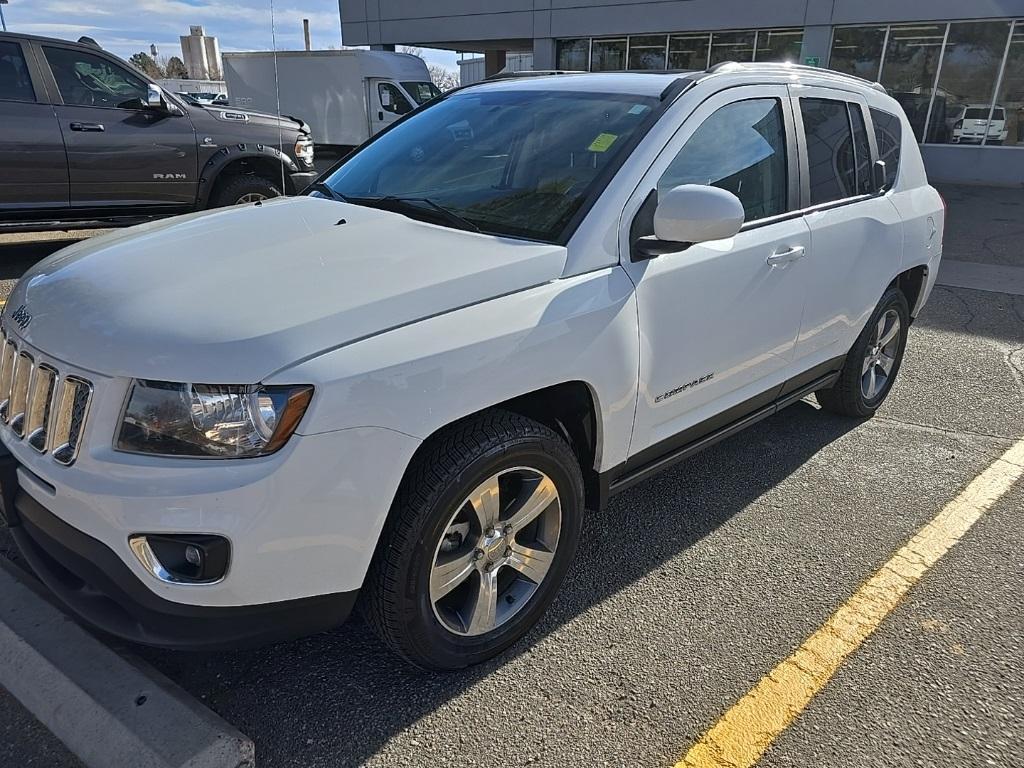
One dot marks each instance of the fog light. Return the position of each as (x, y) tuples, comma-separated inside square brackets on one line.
[(183, 558)]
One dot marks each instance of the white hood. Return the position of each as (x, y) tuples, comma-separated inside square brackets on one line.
[(231, 296)]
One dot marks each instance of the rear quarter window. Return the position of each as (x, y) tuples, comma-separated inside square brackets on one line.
[(888, 137), (15, 84)]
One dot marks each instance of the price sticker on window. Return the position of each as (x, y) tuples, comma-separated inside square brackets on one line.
[(602, 143)]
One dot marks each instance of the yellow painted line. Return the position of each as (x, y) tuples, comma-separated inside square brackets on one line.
[(742, 735)]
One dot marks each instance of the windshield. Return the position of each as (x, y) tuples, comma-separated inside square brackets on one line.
[(511, 162), (421, 92)]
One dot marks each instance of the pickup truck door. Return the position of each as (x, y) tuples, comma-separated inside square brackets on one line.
[(120, 154), (33, 165), (719, 320), (856, 233), (386, 103)]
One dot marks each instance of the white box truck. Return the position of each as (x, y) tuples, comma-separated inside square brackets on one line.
[(345, 96)]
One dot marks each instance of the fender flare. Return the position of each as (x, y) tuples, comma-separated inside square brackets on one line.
[(226, 155)]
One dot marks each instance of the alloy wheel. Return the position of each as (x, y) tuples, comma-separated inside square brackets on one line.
[(881, 355), (495, 551), (252, 197)]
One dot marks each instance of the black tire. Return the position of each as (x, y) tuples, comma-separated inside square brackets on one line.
[(847, 396), (396, 599), (234, 190)]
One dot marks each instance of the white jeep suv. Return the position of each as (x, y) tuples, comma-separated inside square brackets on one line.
[(410, 383)]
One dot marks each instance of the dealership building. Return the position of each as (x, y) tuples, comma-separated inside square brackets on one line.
[(948, 62)]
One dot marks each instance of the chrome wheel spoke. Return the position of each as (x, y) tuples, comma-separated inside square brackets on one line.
[(885, 362), (483, 614), (534, 564), (868, 362), (880, 329), (448, 574), (887, 338), (486, 503), (539, 500), (872, 383)]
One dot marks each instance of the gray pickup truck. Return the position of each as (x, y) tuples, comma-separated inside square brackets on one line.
[(87, 138)]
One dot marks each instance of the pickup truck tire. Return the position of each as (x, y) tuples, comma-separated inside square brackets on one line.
[(491, 499), (871, 366), (245, 188)]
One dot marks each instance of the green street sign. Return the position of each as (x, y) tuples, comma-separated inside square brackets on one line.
[(813, 61)]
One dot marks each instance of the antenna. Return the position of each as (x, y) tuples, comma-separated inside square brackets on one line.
[(277, 92)]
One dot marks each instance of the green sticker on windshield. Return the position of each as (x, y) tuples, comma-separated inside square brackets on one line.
[(602, 142)]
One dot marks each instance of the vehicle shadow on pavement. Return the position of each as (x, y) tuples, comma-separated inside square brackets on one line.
[(338, 698)]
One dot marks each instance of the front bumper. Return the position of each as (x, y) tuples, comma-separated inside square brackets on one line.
[(96, 585)]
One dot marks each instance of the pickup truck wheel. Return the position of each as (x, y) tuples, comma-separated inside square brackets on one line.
[(871, 366), (246, 188), (478, 542)]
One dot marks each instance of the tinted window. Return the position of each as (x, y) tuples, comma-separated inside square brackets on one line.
[(888, 137), (515, 162), (86, 80), (741, 148), (830, 160), (15, 84), (393, 100), (862, 150)]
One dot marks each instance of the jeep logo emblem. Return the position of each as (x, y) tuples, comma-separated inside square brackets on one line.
[(21, 317)]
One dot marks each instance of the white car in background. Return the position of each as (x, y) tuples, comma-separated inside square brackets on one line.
[(968, 125), (409, 384)]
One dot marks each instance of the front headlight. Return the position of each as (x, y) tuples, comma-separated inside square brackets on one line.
[(209, 420), (304, 149)]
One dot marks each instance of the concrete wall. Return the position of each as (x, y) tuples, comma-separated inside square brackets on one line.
[(472, 24)]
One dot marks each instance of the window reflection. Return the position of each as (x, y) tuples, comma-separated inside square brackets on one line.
[(574, 55), (858, 51), (779, 45), (1010, 99), (732, 46), (688, 52), (608, 55), (647, 52), (909, 69)]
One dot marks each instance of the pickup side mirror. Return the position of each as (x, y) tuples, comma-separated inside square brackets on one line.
[(878, 176), (155, 97), (691, 214)]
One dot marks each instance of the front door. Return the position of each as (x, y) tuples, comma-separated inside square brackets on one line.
[(387, 102), (33, 166), (120, 153), (719, 320)]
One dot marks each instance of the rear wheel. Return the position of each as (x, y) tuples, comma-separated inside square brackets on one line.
[(478, 542), (871, 366), (246, 188)]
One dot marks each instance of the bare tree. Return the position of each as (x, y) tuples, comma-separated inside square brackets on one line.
[(444, 79)]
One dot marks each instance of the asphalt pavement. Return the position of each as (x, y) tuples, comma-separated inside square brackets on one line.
[(691, 587)]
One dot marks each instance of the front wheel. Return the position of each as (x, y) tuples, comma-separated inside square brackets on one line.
[(246, 188), (871, 366), (478, 543)]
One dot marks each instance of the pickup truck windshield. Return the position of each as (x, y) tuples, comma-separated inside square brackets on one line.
[(512, 162)]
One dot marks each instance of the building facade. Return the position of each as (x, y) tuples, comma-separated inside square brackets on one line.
[(956, 67)]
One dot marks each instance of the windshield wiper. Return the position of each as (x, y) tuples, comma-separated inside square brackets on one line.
[(415, 204), (319, 186)]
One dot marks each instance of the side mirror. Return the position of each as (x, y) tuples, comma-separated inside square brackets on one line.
[(691, 214), (878, 177), (155, 98)]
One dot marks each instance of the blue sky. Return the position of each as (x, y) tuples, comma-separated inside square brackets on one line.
[(125, 27)]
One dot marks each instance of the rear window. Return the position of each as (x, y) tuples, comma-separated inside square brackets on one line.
[(830, 154), (978, 113), (888, 136), (15, 84)]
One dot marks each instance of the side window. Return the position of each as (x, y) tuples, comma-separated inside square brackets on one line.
[(393, 100), (741, 148), (86, 80), (862, 149), (15, 84), (830, 157), (888, 136)]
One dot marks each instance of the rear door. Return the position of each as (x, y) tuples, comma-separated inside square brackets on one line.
[(120, 153), (33, 165), (856, 233), (387, 102)]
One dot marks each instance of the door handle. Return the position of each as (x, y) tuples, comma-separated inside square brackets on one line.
[(88, 127), (786, 256)]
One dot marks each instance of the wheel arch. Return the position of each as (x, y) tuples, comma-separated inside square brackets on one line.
[(239, 159), (912, 283)]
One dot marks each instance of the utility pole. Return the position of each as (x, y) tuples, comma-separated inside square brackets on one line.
[(305, 31), (3, 21)]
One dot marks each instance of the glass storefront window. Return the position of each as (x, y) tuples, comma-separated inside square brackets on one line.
[(909, 69), (608, 55), (647, 52), (779, 45), (732, 46), (574, 55), (967, 81), (688, 52), (1010, 99), (858, 51)]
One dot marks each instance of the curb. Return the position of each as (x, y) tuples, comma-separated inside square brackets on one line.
[(109, 712)]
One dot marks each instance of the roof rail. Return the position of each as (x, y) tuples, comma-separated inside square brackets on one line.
[(534, 73), (788, 66)]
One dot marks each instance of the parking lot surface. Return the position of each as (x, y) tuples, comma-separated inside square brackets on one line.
[(691, 587)]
